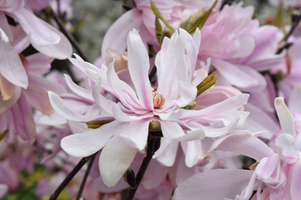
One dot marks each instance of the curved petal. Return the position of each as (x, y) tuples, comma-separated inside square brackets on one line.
[(11, 66), (115, 37), (285, 117), (171, 130), (138, 64), (214, 184), (136, 133), (63, 109), (243, 143), (34, 27), (234, 74), (89, 142), (115, 159), (5, 105), (82, 92)]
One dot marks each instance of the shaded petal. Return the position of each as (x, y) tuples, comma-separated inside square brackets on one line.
[(6, 88), (115, 159), (243, 143), (285, 148), (34, 27), (123, 117), (167, 152), (115, 37), (37, 97), (234, 74), (136, 133), (63, 109), (171, 130), (138, 64), (61, 50), (11, 66), (38, 63), (285, 117), (296, 181), (166, 71), (76, 89), (89, 142), (5, 105), (214, 184)]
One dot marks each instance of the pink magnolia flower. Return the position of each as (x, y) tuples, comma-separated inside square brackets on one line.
[(16, 113), (275, 176), (139, 103), (42, 36)]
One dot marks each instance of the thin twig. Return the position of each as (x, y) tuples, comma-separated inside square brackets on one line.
[(79, 194), (58, 2), (69, 177), (152, 146), (69, 36), (294, 26)]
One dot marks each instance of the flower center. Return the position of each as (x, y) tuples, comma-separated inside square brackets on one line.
[(158, 99)]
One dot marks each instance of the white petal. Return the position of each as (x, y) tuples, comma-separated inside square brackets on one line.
[(115, 159), (285, 117)]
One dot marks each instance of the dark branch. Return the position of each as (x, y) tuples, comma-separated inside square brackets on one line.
[(79, 194), (69, 177), (153, 144), (69, 36)]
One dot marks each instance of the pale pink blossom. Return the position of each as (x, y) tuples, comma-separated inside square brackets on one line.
[(140, 103)]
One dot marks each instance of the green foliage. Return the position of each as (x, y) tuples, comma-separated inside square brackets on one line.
[(206, 83), (158, 14), (2, 135), (199, 19)]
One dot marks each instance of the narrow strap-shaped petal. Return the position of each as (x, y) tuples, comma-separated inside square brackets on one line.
[(285, 117), (243, 143), (138, 64), (65, 110), (5, 105), (171, 130), (82, 92), (92, 140), (115, 159)]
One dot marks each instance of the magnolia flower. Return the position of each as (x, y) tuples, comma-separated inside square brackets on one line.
[(274, 176), (16, 113), (42, 36), (141, 104)]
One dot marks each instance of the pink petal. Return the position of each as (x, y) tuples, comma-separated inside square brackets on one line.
[(82, 92), (243, 143), (38, 63), (5, 105), (138, 64), (296, 181), (166, 70), (234, 74), (149, 180), (89, 142), (65, 110), (285, 148), (38, 98), (34, 27), (285, 117), (167, 152), (115, 159), (171, 130), (5, 27), (214, 184), (116, 35), (11, 66), (136, 133), (123, 91)]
